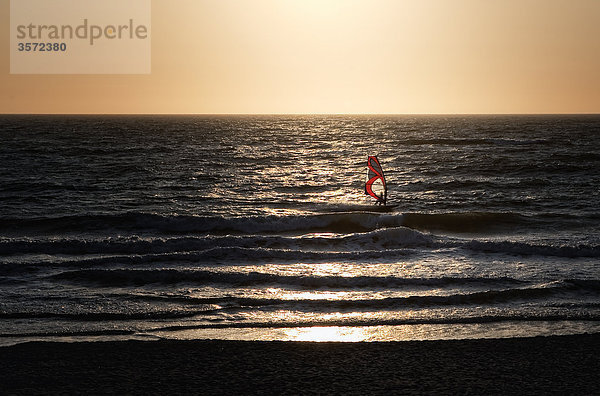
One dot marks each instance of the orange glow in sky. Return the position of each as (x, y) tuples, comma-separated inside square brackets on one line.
[(341, 56)]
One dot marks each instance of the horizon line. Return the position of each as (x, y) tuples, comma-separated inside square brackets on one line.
[(308, 114)]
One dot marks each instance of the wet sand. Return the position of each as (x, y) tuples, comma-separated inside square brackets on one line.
[(539, 365)]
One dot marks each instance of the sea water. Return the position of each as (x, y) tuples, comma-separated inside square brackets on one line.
[(258, 227)]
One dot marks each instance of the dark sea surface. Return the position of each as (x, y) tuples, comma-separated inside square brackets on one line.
[(258, 227)]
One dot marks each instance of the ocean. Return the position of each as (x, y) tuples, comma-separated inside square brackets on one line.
[(258, 227)]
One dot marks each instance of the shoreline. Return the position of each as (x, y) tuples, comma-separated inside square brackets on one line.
[(532, 365)]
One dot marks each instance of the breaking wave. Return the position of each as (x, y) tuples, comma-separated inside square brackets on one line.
[(341, 222), (382, 244), (177, 224), (393, 238)]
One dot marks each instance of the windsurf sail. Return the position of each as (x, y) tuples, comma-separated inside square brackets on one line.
[(376, 185)]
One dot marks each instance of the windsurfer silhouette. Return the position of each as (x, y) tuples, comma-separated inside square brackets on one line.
[(375, 175)]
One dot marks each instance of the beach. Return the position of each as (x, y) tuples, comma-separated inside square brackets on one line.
[(536, 365)]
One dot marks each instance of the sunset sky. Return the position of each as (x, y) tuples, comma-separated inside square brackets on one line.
[(341, 56)]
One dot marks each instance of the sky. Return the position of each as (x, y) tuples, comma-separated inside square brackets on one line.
[(341, 56)]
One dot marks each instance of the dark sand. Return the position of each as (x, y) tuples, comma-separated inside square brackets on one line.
[(540, 365)]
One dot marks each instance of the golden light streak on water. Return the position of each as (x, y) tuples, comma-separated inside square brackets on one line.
[(324, 334)]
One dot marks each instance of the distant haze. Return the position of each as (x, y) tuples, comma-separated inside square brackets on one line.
[(341, 56)]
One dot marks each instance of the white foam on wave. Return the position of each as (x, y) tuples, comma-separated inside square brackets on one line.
[(386, 238)]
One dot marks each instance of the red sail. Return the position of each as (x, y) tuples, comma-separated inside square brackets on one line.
[(375, 174)]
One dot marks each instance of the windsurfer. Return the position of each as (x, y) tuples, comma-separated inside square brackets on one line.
[(375, 176)]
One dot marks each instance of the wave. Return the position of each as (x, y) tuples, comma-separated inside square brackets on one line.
[(215, 256), (474, 142), (355, 322), (125, 277), (177, 224), (399, 237), (541, 301), (468, 222), (361, 220), (366, 236), (129, 277), (488, 297), (21, 273), (532, 249), (205, 308), (387, 245), (103, 316), (70, 333), (483, 319)]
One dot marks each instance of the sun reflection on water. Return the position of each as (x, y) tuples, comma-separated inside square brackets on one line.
[(329, 333)]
